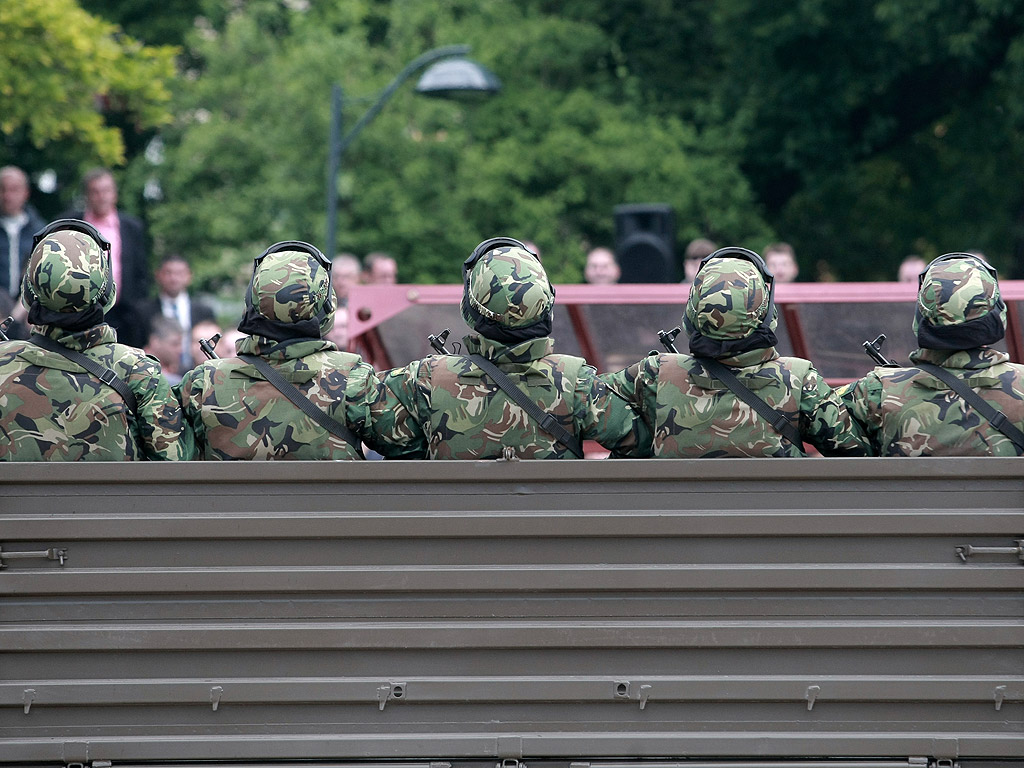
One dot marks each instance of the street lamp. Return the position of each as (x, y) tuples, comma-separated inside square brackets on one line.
[(450, 76)]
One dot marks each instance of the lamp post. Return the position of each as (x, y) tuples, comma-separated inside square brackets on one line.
[(451, 76)]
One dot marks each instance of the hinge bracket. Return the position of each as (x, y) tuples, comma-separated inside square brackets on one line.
[(964, 551), (53, 553)]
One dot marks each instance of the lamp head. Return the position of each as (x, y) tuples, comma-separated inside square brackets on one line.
[(457, 78)]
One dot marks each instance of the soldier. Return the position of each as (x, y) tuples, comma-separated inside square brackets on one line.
[(511, 395), (289, 394), (916, 410), (71, 392), (734, 396)]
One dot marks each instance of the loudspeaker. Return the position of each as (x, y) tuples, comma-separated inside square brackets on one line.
[(645, 236)]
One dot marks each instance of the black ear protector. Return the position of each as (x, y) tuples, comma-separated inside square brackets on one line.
[(295, 245), (762, 337), (302, 247), (77, 225), (490, 245), (954, 257)]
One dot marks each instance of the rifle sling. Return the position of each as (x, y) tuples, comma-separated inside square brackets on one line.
[(547, 422), (778, 420), (101, 372), (302, 402), (973, 399)]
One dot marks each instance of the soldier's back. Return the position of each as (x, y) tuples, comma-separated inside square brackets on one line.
[(465, 415), (909, 412), (237, 414), (52, 409)]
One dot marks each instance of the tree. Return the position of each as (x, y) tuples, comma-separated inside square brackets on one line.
[(545, 160), (64, 74), (877, 129)]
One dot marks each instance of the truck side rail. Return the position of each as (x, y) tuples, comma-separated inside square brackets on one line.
[(587, 612)]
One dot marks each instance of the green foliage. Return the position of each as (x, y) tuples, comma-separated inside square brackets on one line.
[(63, 71), (545, 160), (860, 132), (881, 128), (163, 23)]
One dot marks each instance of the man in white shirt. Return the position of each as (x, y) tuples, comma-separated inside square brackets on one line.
[(18, 222), (173, 279)]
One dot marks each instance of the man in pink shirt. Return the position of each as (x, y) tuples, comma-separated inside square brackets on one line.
[(128, 253)]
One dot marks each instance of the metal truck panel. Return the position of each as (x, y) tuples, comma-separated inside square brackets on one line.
[(591, 613)]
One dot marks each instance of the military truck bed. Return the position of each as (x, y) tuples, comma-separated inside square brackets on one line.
[(593, 613)]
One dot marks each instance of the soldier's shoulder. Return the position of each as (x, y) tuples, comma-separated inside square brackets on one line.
[(671, 360), (792, 363), (131, 357), (337, 359), (9, 350), (208, 368)]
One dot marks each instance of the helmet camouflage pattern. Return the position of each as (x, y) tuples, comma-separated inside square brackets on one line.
[(68, 272), (957, 290), (291, 287), (728, 299), (508, 286)]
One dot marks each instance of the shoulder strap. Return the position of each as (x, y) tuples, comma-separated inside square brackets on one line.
[(973, 399), (302, 402), (546, 421), (101, 372), (778, 420)]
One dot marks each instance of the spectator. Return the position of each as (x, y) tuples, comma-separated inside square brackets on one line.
[(165, 342), (823, 272), (910, 268), (128, 255), (379, 269), (173, 279), (602, 267), (781, 261), (228, 346), (345, 272), (204, 330), (124, 232), (696, 251), (339, 333), (18, 222)]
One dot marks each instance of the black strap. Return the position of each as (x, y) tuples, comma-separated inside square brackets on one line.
[(288, 389), (546, 421), (778, 420), (101, 372), (973, 399)]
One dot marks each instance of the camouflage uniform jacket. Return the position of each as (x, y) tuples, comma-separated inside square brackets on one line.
[(692, 415), (52, 409), (465, 415), (907, 412), (237, 414)]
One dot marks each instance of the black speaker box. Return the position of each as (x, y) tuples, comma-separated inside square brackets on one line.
[(645, 236)]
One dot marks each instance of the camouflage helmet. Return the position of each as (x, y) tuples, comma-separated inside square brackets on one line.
[(958, 304), (68, 271), (290, 286), (506, 293), (730, 299)]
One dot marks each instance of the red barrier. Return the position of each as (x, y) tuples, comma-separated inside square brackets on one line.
[(371, 306)]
